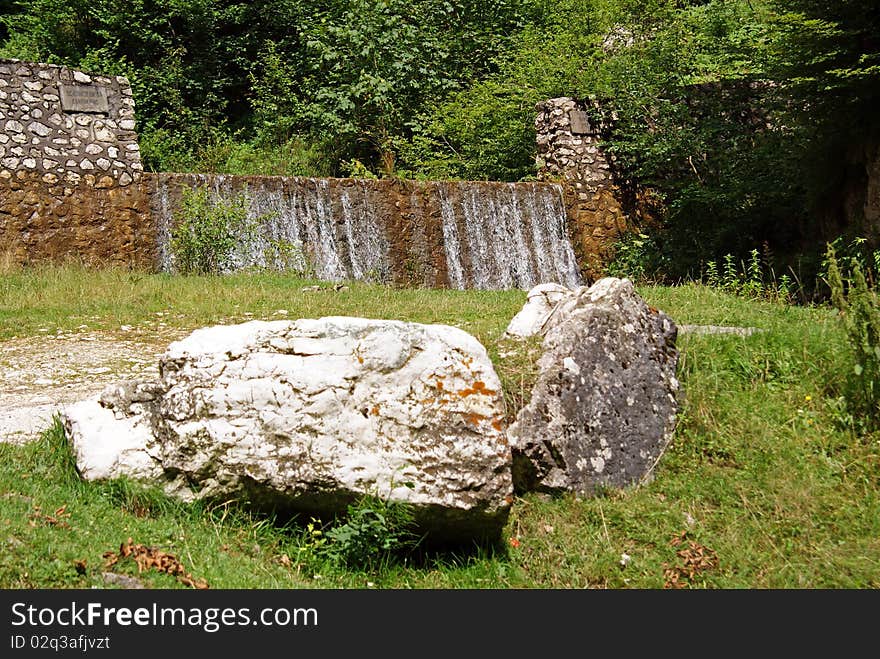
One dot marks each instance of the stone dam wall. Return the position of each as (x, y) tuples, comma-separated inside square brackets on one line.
[(458, 234), (70, 168), (72, 186)]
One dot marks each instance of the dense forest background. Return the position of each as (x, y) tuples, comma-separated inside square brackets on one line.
[(753, 123)]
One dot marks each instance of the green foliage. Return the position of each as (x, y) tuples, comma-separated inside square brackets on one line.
[(486, 131), (635, 256), (366, 70), (374, 529), (348, 76), (290, 257), (208, 229), (754, 279), (187, 61), (734, 113), (860, 314)]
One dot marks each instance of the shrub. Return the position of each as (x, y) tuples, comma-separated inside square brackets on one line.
[(207, 231), (636, 256), (374, 528), (860, 314)]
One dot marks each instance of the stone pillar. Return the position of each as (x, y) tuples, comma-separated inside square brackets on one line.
[(568, 152), (70, 168)]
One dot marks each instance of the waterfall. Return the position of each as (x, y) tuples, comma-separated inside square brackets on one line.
[(367, 245), (506, 235), (451, 244), (462, 234)]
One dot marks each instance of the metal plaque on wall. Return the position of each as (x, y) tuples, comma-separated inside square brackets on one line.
[(84, 98), (580, 123)]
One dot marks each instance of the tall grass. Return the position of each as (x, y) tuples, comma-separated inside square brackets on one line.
[(765, 485)]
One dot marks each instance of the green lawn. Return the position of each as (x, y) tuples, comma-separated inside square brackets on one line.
[(765, 484)]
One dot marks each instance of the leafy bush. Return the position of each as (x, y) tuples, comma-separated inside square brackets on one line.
[(860, 314), (374, 528), (208, 230), (634, 257)]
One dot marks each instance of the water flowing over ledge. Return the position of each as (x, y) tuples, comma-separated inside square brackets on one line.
[(455, 234)]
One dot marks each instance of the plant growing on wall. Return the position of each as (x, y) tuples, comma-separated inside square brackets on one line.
[(207, 231)]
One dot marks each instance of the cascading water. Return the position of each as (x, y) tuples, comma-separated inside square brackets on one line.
[(506, 235), (486, 235), (367, 245)]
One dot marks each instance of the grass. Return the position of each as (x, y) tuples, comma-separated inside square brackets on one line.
[(765, 484), (63, 298)]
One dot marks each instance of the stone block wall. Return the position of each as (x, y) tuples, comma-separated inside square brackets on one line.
[(72, 185), (568, 151), (70, 167)]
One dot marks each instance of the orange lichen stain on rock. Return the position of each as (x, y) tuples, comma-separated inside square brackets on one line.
[(479, 387), (474, 418), (432, 399), (375, 410), (498, 423)]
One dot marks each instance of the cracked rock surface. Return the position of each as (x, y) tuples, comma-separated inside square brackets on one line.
[(306, 415), (604, 406)]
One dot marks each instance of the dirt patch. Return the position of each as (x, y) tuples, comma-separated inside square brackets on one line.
[(39, 375)]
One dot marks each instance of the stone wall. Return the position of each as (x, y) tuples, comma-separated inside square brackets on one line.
[(66, 125), (43, 222), (72, 185), (568, 151), (70, 167)]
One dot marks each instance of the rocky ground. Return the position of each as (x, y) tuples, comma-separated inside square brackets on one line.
[(39, 375)]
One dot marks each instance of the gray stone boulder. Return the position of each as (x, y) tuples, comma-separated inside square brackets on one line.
[(307, 415), (603, 408)]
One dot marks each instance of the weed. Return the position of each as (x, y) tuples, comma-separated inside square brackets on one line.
[(860, 314), (208, 230), (373, 529), (754, 279), (8, 262)]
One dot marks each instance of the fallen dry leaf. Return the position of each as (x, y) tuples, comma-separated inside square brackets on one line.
[(695, 558), (55, 519), (152, 558)]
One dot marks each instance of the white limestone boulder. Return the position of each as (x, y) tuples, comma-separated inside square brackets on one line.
[(306, 415), (540, 302)]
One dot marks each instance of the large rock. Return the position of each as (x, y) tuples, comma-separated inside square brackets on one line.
[(307, 415), (603, 408), (540, 302)]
